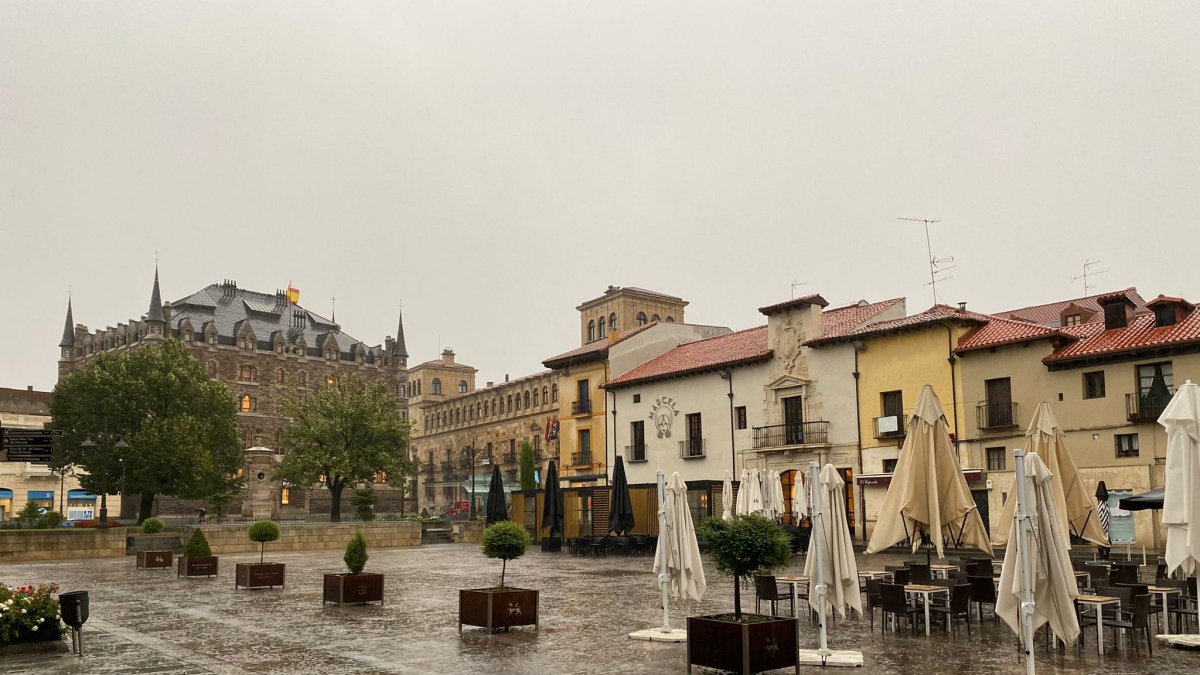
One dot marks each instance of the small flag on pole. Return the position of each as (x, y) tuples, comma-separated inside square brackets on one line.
[(293, 294)]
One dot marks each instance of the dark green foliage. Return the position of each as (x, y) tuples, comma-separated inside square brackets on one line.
[(345, 433), (263, 531), (197, 545), (364, 500), (180, 426), (30, 514), (746, 546), (356, 554), (153, 526), (527, 465), (505, 540), (51, 520)]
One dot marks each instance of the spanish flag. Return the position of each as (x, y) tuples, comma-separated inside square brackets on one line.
[(293, 294)]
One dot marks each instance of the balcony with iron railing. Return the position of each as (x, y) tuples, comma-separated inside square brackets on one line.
[(583, 407), (447, 466), (889, 426), (1001, 415), (509, 458), (796, 433), (581, 458), (1146, 406), (635, 453), (691, 448)]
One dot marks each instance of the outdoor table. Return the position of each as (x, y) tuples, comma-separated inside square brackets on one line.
[(942, 571), (1163, 592), (926, 592), (874, 574), (794, 582), (1098, 602)]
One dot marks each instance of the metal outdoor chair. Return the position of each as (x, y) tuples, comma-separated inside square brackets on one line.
[(983, 592), (874, 598), (895, 604), (620, 544), (959, 606), (766, 588), (600, 545), (919, 573), (1135, 620), (638, 544)]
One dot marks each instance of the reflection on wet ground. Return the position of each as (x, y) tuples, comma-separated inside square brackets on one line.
[(151, 622)]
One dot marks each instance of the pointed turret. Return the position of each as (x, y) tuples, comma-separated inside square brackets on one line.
[(400, 349), (156, 310), (68, 338)]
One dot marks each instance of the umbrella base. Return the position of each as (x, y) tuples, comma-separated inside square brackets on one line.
[(831, 657), (1190, 642), (660, 634)]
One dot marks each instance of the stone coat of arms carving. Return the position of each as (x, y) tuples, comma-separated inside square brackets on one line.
[(663, 414)]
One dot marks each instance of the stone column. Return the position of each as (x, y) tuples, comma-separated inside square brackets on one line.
[(259, 502)]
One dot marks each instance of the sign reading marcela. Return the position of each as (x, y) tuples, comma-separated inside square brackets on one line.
[(663, 413)]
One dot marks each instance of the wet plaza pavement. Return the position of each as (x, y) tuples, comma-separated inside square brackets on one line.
[(149, 621)]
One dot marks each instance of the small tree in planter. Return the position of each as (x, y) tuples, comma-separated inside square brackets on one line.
[(261, 574), (154, 556), (197, 559), (356, 587), (500, 606), (747, 643)]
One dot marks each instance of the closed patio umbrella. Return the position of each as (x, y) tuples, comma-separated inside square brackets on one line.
[(777, 495), (1102, 515), (768, 495), (1073, 504), (838, 570), (552, 504), (754, 497), (620, 510), (799, 496), (743, 493), (928, 497), (497, 507), (727, 497), (676, 558), (1037, 566), (1181, 503)]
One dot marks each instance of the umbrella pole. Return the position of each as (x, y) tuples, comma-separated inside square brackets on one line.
[(664, 574), (814, 549), (1023, 526)]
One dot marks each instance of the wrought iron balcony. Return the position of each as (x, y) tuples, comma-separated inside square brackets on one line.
[(996, 415), (691, 448), (1146, 407), (889, 426), (581, 458), (510, 458), (581, 407), (635, 453), (447, 466), (796, 433)]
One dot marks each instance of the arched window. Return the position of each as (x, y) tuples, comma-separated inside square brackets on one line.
[(280, 377), (509, 403), (247, 403), (603, 328), (655, 318), (462, 386), (641, 318), (545, 395), (554, 393), (247, 373), (437, 386), (591, 331), (612, 323), (493, 406), (518, 397), (535, 397), (526, 398), (670, 319)]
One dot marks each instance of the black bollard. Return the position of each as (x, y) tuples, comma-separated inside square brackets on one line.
[(73, 607)]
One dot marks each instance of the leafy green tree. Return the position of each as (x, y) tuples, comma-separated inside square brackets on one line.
[(30, 514), (356, 554), (263, 531), (180, 426), (527, 463), (345, 432), (745, 546), (153, 526), (364, 500), (505, 540)]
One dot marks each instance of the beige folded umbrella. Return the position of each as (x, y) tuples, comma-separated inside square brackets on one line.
[(1074, 504), (928, 495), (1181, 501), (1051, 577), (838, 569)]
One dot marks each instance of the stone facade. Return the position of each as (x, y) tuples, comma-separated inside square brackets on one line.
[(262, 347), (224, 539)]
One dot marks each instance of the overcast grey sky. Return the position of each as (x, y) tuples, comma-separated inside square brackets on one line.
[(494, 164)]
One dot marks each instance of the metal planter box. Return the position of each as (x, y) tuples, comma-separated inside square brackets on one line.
[(497, 609), (200, 566), (259, 575), (155, 559), (353, 589), (742, 647)]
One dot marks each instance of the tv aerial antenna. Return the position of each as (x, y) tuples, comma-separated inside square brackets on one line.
[(795, 284), (1088, 272), (937, 266)]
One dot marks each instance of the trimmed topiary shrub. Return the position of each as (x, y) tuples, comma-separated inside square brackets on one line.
[(745, 546), (197, 545), (505, 540), (153, 526), (50, 520), (262, 532), (356, 554)]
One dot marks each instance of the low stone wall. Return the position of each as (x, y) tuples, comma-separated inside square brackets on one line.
[(62, 544), (312, 536), (466, 532)]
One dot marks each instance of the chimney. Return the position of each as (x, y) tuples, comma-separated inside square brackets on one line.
[(29, 387), (962, 306), (490, 383), (448, 357), (506, 377)]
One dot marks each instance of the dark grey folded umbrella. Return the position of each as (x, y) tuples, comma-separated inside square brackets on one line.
[(497, 507), (1148, 500), (620, 510), (552, 505)]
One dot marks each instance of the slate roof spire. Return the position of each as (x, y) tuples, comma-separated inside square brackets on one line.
[(68, 337), (156, 310), (400, 349)]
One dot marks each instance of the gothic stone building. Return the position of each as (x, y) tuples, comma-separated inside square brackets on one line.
[(259, 345)]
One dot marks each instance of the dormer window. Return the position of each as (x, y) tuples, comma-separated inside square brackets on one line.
[(1115, 316), (1164, 314), (1072, 320)]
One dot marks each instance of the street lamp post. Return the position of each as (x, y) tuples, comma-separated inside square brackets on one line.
[(121, 445), (470, 452)]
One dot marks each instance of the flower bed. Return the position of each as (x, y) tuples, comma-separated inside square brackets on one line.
[(29, 614)]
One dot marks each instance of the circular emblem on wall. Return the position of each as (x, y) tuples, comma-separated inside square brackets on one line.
[(663, 414)]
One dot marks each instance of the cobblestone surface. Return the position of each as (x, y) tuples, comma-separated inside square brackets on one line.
[(151, 622)]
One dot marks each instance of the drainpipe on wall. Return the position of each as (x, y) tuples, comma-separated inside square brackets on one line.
[(614, 433), (727, 375), (953, 389), (858, 347), (606, 464)]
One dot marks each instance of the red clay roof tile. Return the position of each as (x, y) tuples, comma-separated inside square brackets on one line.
[(746, 346), (1141, 333)]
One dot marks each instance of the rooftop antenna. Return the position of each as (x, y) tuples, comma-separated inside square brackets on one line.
[(333, 308), (937, 266), (795, 284), (1087, 271)]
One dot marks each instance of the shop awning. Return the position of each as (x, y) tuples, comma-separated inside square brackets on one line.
[(80, 494), (5, 493), (41, 494), (886, 478)]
